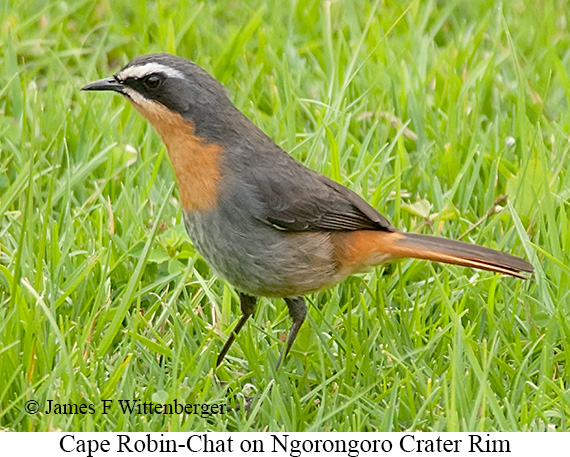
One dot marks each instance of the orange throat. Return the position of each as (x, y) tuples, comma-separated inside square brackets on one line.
[(195, 163)]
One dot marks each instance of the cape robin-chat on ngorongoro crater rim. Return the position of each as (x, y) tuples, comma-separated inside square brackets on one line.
[(263, 221)]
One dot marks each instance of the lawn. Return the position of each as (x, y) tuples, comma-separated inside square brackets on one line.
[(450, 117)]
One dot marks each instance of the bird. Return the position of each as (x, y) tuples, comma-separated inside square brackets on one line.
[(262, 220)]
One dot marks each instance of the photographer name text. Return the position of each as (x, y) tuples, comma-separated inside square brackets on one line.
[(132, 407)]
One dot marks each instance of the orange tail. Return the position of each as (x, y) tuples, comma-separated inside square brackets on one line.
[(366, 248)]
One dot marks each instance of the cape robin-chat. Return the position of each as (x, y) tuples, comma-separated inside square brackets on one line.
[(263, 221)]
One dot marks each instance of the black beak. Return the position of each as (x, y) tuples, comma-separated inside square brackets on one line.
[(105, 84)]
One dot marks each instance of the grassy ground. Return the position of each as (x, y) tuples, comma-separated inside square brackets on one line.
[(430, 110)]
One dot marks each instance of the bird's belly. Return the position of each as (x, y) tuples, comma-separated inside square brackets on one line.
[(260, 260)]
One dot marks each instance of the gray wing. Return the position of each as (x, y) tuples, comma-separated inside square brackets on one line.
[(295, 198)]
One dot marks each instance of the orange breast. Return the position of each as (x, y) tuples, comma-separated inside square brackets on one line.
[(195, 163)]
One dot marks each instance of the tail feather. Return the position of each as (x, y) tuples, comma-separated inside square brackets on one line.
[(457, 252), (364, 248)]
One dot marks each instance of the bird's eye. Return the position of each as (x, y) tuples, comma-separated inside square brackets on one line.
[(152, 81)]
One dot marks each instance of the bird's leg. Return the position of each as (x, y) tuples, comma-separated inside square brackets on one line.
[(247, 305), (297, 311)]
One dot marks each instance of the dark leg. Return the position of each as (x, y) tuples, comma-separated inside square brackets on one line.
[(247, 305), (297, 311)]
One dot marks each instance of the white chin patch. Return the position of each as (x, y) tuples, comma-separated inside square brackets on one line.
[(134, 95), (140, 71), (151, 110)]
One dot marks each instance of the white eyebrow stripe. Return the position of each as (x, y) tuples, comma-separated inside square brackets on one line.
[(140, 71)]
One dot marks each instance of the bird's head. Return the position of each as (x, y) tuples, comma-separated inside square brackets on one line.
[(164, 87)]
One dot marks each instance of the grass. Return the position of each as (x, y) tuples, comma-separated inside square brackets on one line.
[(430, 110)]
